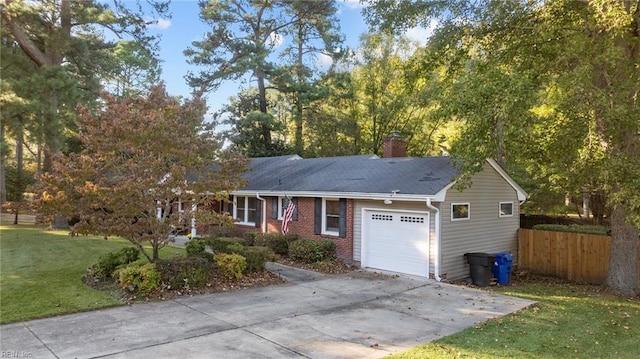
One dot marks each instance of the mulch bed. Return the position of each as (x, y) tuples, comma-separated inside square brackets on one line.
[(330, 267), (220, 283)]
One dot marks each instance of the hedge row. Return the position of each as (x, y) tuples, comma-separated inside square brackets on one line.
[(573, 228)]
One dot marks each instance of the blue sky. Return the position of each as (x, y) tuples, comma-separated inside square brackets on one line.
[(185, 26)]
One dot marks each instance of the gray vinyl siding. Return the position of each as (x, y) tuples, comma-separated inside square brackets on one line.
[(484, 231), (398, 206)]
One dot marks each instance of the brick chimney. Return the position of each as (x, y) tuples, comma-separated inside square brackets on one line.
[(394, 145)]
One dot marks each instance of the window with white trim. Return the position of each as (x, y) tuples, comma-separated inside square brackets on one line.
[(330, 216), (460, 211), (283, 202), (245, 209), (506, 209)]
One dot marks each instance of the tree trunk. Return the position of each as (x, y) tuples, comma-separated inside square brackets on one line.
[(262, 92), (623, 262), (3, 185), (299, 79)]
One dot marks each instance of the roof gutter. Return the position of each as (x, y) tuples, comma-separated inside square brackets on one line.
[(436, 266), (263, 220), (352, 195)]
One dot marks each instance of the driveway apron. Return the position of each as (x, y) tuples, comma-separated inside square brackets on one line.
[(355, 315)]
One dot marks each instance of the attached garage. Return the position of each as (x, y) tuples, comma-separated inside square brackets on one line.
[(396, 241)]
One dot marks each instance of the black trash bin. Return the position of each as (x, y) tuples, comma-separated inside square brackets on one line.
[(480, 265)]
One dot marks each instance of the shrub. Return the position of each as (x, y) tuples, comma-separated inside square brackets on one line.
[(278, 242), (219, 245), (249, 237), (573, 228), (195, 247), (224, 231), (256, 258), (235, 248), (137, 277), (312, 250), (189, 273), (231, 265), (109, 262)]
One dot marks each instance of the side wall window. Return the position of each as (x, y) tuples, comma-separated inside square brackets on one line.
[(460, 211), (506, 209)]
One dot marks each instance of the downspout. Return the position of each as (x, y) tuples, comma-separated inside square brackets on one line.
[(436, 265), (263, 220)]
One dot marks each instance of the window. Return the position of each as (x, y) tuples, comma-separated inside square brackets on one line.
[(506, 209), (245, 209), (330, 216), (283, 202), (460, 211)]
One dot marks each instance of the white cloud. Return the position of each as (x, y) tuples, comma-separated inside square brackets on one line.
[(421, 34), (275, 39), (324, 62), (355, 4), (162, 24)]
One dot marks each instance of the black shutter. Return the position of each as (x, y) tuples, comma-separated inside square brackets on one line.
[(230, 206), (274, 207), (342, 221), (295, 212), (258, 213), (317, 216)]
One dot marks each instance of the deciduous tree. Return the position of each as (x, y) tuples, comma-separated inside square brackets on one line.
[(580, 59), (140, 157)]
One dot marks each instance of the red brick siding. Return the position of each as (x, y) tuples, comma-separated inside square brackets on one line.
[(304, 226)]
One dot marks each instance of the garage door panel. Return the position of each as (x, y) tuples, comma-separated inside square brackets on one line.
[(397, 241)]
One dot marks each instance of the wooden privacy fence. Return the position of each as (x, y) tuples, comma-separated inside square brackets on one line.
[(574, 256)]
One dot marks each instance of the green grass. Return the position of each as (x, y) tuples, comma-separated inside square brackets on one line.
[(41, 272), (570, 321)]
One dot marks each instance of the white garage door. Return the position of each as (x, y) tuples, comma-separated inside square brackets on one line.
[(396, 241)]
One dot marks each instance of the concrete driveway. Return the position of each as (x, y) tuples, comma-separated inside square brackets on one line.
[(356, 315)]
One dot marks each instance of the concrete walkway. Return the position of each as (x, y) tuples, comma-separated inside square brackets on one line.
[(355, 315)]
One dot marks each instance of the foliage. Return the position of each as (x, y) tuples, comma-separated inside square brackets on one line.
[(187, 273), (235, 248), (390, 97), (108, 263), (213, 231), (141, 157), (257, 257), (574, 228), (219, 245), (309, 250), (134, 70), (56, 53), (547, 89), (245, 38), (314, 31), (278, 242), (195, 246), (231, 265), (138, 277)]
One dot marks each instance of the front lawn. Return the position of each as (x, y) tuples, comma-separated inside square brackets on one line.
[(571, 321), (41, 272)]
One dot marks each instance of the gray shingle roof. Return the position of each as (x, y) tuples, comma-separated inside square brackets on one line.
[(366, 174)]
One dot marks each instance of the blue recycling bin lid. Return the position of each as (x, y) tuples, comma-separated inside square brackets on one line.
[(504, 257)]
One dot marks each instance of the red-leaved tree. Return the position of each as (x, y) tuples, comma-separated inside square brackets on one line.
[(140, 158)]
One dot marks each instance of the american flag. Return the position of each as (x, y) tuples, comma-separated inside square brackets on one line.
[(288, 214)]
